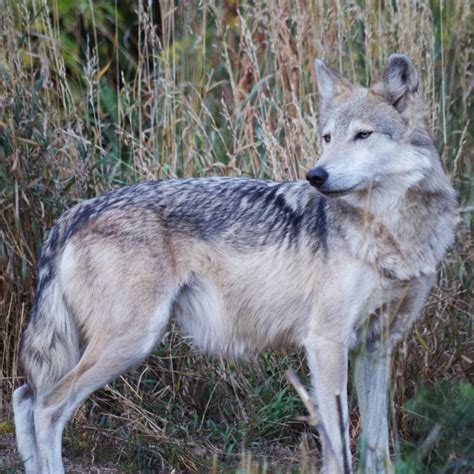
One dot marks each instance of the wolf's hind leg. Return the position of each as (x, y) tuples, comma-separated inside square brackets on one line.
[(107, 356), (23, 406)]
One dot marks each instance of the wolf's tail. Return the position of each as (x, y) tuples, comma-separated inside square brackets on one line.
[(50, 343)]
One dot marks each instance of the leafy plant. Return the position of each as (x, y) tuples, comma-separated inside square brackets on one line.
[(441, 421)]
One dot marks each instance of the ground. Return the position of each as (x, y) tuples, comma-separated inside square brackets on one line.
[(10, 461), (288, 460)]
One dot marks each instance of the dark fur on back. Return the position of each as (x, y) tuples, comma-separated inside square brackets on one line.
[(242, 211)]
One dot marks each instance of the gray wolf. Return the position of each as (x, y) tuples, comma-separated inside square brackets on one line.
[(339, 264)]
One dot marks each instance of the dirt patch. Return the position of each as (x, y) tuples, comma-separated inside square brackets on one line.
[(10, 460)]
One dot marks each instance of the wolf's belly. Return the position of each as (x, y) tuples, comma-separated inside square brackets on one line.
[(234, 321)]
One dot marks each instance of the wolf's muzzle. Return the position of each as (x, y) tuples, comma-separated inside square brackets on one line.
[(317, 176)]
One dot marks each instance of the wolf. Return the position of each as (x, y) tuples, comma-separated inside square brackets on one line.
[(338, 264)]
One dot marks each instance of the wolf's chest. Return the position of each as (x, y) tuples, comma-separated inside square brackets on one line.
[(381, 314)]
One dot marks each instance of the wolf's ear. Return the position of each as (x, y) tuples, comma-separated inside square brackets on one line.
[(330, 82), (400, 80)]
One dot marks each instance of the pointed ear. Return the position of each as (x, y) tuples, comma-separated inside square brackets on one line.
[(330, 82), (400, 80)]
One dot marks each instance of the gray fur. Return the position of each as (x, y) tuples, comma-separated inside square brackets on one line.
[(249, 264), (400, 80), (330, 82)]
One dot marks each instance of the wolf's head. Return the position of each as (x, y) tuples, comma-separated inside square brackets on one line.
[(375, 141)]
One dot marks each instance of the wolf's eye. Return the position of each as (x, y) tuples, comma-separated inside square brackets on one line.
[(362, 135), (327, 137)]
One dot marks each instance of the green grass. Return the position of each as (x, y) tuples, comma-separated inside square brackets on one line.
[(97, 96), (441, 421)]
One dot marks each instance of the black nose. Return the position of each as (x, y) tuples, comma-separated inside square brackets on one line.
[(317, 176)]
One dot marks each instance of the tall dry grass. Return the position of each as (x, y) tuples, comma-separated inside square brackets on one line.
[(99, 95)]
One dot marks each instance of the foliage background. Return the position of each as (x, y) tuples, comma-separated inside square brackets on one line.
[(98, 94)]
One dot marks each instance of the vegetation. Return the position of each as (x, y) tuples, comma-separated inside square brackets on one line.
[(95, 95)]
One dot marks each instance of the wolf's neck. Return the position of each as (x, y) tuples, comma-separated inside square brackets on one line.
[(408, 238)]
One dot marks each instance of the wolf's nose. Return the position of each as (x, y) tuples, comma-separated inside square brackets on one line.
[(317, 176)]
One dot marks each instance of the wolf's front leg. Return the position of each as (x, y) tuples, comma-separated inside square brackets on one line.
[(327, 361), (372, 375)]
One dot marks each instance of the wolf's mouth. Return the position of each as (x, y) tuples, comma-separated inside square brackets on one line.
[(336, 192)]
